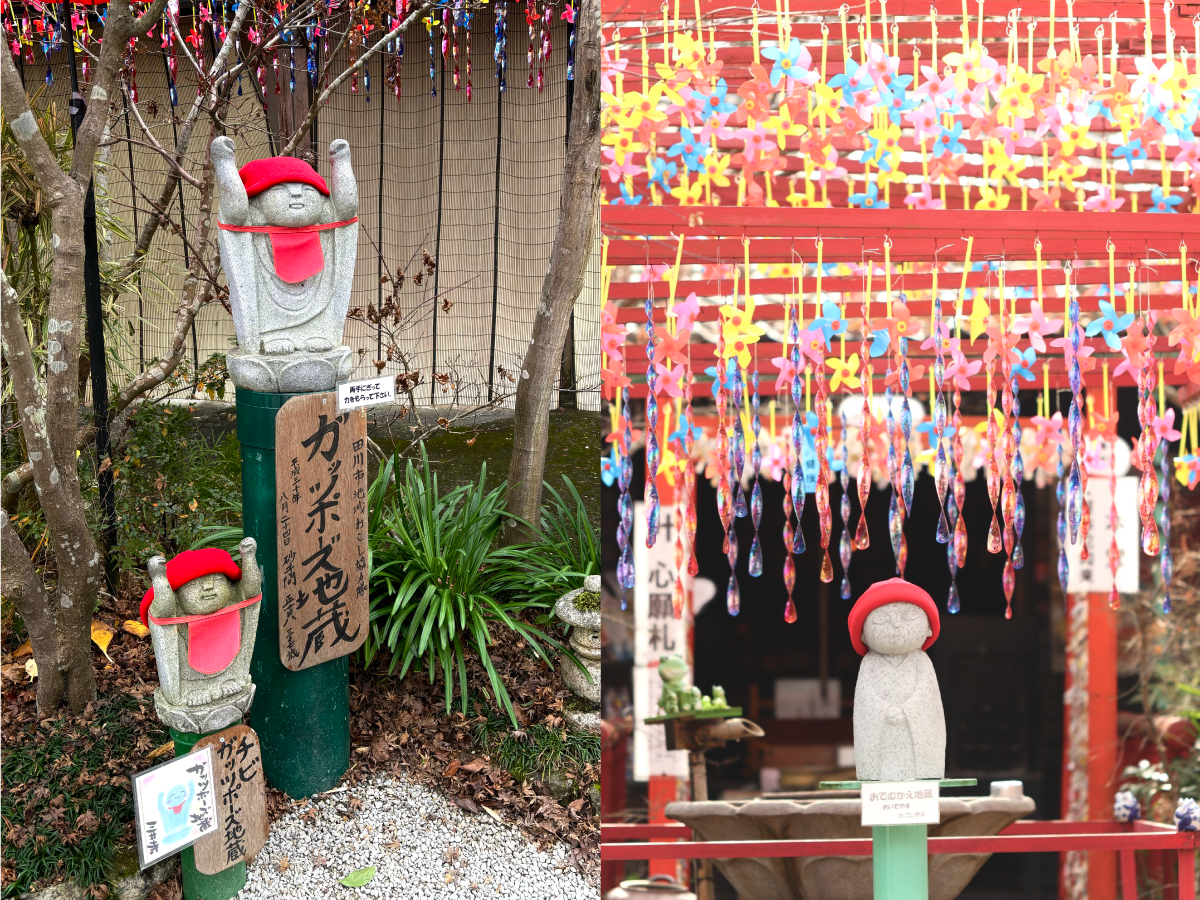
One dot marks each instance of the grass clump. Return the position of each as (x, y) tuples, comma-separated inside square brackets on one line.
[(65, 808), (535, 751)]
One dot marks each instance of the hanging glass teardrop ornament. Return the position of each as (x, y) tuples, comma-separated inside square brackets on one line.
[(625, 569), (733, 602), (862, 536), (1147, 444), (1085, 516), (754, 564), (1018, 470), (1075, 415), (907, 473), (1060, 492), (798, 492), (789, 566), (995, 542), (824, 512), (724, 498), (653, 454), (1168, 563), (500, 50), (740, 509), (689, 480), (941, 468), (952, 513), (960, 485), (844, 478), (895, 513)]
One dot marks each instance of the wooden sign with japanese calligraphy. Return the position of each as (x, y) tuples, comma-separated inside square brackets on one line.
[(241, 800), (321, 506)]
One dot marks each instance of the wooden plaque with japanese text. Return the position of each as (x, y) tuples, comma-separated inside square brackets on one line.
[(241, 800), (321, 512)]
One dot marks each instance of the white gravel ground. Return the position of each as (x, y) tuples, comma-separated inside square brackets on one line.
[(422, 846)]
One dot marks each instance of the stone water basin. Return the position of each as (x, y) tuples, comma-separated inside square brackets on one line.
[(837, 877)]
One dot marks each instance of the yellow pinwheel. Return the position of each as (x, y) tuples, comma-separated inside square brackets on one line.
[(980, 312), (845, 372), (1016, 98)]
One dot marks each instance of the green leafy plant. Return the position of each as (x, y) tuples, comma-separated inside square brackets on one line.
[(437, 580), (536, 750), (567, 552)]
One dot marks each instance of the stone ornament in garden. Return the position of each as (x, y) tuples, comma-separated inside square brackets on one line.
[(581, 610), (899, 725), (288, 244), (202, 612)]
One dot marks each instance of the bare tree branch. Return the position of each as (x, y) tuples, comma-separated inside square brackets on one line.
[(152, 143), (319, 100)]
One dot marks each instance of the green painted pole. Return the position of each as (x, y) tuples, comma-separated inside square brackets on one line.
[(196, 886), (302, 718), (900, 858)]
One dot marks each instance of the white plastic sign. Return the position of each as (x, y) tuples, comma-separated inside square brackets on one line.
[(900, 803), (175, 804), (367, 392)]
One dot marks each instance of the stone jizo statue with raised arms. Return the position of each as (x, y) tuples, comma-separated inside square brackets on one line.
[(899, 725), (288, 243), (202, 612)]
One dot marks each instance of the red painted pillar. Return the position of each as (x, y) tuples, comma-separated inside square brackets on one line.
[(664, 789), (1103, 744)]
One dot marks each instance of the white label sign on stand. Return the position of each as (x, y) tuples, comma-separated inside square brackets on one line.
[(175, 805), (900, 803), (367, 392), (1093, 575), (657, 633)]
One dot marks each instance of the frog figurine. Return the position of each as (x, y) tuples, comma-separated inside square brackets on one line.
[(718, 698), (675, 694)]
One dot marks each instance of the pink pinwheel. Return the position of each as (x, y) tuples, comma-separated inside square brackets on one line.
[(1188, 156), (774, 462), (923, 199), (1164, 426), (612, 345), (924, 120), (787, 371), (1049, 430), (611, 381), (616, 171), (670, 379), (959, 372), (1037, 325), (812, 345), (609, 69), (686, 313), (668, 346), (1104, 201)]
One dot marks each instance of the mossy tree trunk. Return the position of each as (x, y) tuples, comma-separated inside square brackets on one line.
[(573, 241)]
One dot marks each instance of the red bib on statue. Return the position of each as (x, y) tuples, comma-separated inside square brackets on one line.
[(297, 251), (214, 639)]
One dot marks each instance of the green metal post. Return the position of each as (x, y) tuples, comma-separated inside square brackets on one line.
[(196, 886), (901, 862), (302, 718)]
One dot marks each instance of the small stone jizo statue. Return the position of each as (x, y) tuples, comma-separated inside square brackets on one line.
[(899, 725), (288, 243), (202, 612)]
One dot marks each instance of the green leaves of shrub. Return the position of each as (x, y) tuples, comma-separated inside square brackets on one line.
[(438, 580)]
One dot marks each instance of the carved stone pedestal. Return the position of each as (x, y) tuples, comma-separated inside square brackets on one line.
[(203, 719), (294, 373)]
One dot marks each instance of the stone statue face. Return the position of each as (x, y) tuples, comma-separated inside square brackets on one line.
[(292, 204), (895, 629), (205, 595)]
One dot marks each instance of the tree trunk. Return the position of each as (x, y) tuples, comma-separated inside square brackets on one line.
[(569, 257)]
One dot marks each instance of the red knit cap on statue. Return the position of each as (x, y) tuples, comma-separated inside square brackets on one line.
[(193, 564), (894, 590), (261, 174)]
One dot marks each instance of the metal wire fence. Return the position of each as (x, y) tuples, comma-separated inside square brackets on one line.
[(475, 183)]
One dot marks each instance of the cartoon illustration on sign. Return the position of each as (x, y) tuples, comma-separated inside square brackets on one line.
[(175, 805)]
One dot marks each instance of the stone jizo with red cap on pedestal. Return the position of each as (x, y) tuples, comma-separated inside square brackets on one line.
[(899, 724), (288, 243), (202, 612)]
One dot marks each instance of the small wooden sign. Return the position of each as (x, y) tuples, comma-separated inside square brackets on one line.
[(241, 800), (321, 492)]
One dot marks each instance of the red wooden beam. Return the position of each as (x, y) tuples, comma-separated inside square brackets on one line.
[(918, 308), (948, 19), (909, 282), (1027, 843), (783, 235)]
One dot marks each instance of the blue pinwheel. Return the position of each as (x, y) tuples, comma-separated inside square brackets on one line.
[(1023, 361), (880, 341), (627, 198), (948, 141), (661, 174), (730, 380), (692, 150), (1109, 325), (1162, 202), (869, 199), (895, 98), (854, 80), (831, 322), (787, 62), (715, 102), (680, 434), (608, 467), (1129, 152)]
